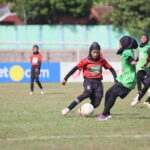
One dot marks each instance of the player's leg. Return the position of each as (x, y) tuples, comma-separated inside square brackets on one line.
[(118, 90), (148, 102), (97, 94), (32, 81), (110, 103), (146, 83), (108, 93), (87, 92), (140, 78), (38, 82), (140, 96)]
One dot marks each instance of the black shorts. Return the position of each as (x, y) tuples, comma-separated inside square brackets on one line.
[(147, 78), (34, 73), (120, 90), (95, 86), (141, 74)]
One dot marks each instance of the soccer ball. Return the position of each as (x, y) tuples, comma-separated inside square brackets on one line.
[(87, 109)]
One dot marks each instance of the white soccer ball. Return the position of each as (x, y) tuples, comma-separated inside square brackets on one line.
[(87, 109)]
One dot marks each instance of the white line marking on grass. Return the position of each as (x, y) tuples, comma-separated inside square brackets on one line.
[(72, 137)]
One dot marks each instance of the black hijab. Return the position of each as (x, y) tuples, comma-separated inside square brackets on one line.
[(94, 46), (127, 42), (35, 53), (143, 44)]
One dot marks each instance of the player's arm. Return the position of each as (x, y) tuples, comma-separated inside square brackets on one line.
[(80, 66), (131, 60), (39, 62), (39, 65), (73, 70), (145, 64), (147, 60), (106, 65), (112, 70)]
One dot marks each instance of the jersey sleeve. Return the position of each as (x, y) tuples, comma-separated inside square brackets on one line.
[(105, 64), (40, 58), (82, 64), (126, 54)]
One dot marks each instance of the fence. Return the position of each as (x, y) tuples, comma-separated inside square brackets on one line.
[(104, 34), (69, 51)]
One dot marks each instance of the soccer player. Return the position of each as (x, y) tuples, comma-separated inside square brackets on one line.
[(146, 85), (126, 81), (143, 48), (92, 73), (35, 59)]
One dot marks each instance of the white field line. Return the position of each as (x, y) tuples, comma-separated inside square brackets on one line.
[(73, 137)]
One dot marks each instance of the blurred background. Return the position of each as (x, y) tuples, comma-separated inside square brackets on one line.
[(63, 29)]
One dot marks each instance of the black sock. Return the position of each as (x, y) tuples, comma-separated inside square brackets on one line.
[(143, 91), (110, 103), (39, 84), (73, 104), (32, 86)]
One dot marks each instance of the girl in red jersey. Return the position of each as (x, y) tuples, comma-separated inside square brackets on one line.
[(35, 59), (92, 73)]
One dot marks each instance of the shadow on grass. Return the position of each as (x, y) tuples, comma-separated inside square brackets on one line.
[(125, 116)]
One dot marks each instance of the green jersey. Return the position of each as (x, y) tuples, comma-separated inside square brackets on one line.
[(128, 75), (142, 57)]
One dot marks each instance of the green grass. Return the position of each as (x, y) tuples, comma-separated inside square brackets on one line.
[(24, 116)]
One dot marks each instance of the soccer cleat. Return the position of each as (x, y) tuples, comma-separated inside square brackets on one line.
[(79, 112), (109, 116), (102, 117), (31, 93), (42, 92), (65, 111), (135, 101), (147, 103)]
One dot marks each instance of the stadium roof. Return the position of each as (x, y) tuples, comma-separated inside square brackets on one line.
[(7, 17)]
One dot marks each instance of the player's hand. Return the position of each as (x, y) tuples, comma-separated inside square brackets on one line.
[(36, 70), (143, 66), (63, 82), (133, 62)]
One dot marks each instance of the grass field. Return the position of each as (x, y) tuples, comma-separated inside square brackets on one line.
[(34, 122)]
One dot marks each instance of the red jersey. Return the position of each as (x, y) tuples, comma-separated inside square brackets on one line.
[(35, 59), (93, 69)]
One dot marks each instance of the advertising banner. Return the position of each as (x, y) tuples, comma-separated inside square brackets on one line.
[(20, 72), (78, 76)]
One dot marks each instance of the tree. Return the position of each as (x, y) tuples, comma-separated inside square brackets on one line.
[(47, 11), (75, 8), (130, 15)]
